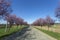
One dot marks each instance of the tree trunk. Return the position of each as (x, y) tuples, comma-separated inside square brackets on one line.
[(6, 27), (17, 26), (9, 27), (48, 27), (41, 26)]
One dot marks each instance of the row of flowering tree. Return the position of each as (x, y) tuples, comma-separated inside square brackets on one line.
[(42, 22), (5, 8), (14, 20), (5, 14)]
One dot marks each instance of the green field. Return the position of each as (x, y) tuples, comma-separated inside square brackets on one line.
[(12, 30)]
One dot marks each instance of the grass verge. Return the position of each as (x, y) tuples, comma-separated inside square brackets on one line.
[(53, 34), (11, 31)]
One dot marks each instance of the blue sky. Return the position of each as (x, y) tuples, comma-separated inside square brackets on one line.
[(30, 10)]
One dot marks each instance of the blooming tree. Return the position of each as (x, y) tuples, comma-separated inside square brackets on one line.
[(10, 19), (5, 7), (18, 21), (49, 21)]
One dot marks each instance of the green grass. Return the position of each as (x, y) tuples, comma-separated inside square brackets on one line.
[(12, 30), (53, 34)]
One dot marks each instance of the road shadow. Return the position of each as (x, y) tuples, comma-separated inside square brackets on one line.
[(17, 34)]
